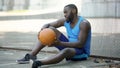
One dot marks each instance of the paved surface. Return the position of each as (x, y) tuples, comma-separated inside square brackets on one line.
[(8, 60)]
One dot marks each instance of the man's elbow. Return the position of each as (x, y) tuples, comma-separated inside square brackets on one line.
[(80, 45)]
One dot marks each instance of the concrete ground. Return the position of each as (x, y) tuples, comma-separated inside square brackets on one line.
[(8, 60)]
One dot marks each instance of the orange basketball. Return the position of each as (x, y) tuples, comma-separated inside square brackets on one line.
[(47, 36)]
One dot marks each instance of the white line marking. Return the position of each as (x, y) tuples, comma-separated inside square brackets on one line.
[(8, 53)]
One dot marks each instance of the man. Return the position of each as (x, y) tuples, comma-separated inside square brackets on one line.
[(75, 48)]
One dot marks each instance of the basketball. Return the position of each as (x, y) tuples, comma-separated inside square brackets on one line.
[(47, 36)]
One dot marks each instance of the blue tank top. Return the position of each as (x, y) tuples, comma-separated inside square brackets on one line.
[(74, 32)]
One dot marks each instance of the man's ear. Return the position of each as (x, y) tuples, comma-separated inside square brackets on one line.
[(73, 11)]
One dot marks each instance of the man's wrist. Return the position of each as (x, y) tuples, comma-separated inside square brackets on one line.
[(60, 43)]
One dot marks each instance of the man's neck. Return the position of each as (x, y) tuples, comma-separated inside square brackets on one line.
[(75, 19)]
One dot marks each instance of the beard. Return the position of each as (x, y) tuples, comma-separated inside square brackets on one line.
[(70, 18), (67, 20)]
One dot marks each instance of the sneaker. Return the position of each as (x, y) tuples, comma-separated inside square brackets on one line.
[(26, 59), (36, 64)]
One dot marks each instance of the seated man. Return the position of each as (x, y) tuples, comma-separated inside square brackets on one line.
[(76, 47)]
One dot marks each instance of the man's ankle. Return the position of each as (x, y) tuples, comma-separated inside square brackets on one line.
[(32, 57)]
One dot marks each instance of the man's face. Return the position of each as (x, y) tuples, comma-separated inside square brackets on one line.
[(68, 14)]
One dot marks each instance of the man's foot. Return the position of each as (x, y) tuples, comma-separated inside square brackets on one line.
[(36, 64), (26, 59)]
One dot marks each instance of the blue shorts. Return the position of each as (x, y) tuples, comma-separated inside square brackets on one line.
[(80, 55)]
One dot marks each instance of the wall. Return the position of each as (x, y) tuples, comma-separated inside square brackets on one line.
[(104, 17)]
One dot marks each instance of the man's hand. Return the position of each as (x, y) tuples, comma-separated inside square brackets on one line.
[(55, 43), (45, 26)]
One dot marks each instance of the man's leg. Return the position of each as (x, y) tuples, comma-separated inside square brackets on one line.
[(37, 48), (31, 55), (65, 53)]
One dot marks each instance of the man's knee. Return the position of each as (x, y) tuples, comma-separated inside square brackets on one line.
[(68, 52), (58, 33)]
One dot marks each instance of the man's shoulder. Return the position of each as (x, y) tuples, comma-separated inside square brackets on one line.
[(86, 23)]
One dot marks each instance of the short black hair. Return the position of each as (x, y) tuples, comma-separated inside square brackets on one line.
[(73, 6)]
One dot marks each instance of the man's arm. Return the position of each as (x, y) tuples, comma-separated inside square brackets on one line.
[(84, 30), (55, 24)]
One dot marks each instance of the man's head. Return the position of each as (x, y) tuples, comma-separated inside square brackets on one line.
[(70, 11)]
